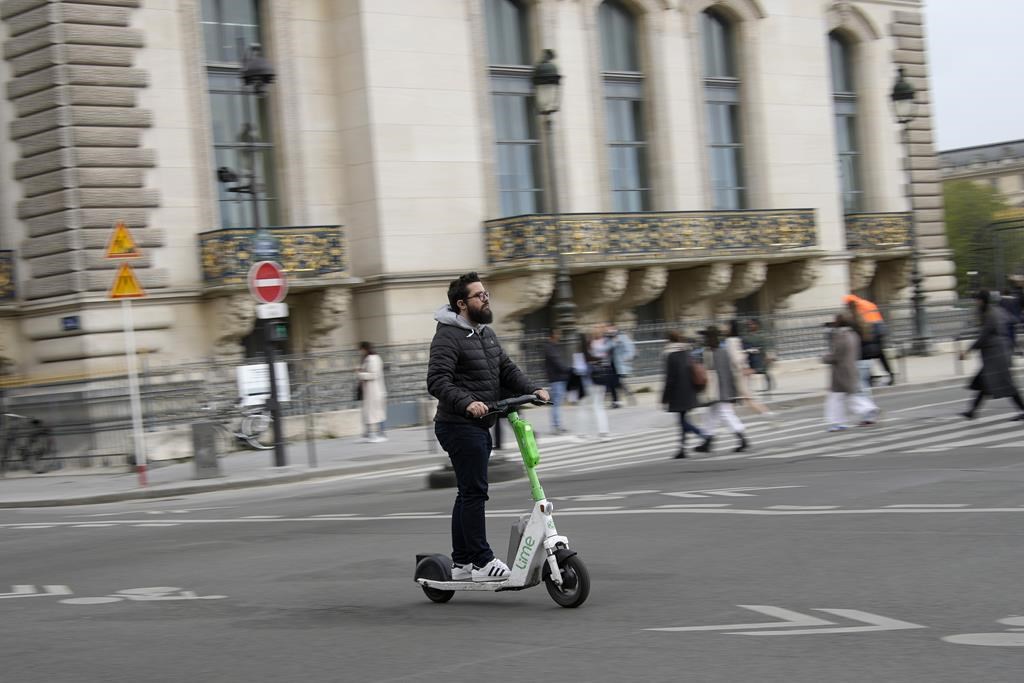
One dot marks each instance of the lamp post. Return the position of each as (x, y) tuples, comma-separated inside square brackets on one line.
[(547, 98), (905, 106), (257, 74)]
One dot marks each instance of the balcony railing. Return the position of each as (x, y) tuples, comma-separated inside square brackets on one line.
[(877, 231), (661, 236), (8, 294), (308, 253)]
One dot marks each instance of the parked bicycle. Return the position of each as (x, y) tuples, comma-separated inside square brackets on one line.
[(249, 425), (26, 444)]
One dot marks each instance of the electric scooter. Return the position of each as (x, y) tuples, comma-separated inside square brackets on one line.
[(535, 551)]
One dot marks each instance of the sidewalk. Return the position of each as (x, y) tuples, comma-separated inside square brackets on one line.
[(798, 383)]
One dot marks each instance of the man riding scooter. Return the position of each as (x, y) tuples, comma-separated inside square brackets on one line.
[(467, 370)]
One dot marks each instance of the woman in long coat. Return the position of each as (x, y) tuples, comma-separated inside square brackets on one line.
[(679, 394), (721, 393), (374, 394), (995, 378), (845, 380)]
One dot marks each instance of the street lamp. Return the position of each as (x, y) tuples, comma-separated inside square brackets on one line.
[(547, 93), (904, 103), (257, 74)]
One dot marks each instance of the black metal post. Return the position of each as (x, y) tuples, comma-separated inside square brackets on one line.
[(272, 402), (565, 307), (919, 343)]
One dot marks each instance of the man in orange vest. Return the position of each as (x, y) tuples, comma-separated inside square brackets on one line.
[(874, 333)]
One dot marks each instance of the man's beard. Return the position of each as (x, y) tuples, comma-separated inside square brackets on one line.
[(482, 317)]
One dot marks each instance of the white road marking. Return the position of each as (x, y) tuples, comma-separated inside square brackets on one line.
[(789, 618), (928, 505), (93, 525), (974, 442), (158, 524), (802, 507), (1008, 639), (736, 491), (597, 507), (633, 493), (262, 516), (806, 622), (875, 623), (29, 591), (695, 505)]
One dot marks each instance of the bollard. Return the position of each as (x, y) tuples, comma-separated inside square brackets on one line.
[(204, 449)]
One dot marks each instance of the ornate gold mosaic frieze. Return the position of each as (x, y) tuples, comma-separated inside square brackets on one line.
[(307, 252), (876, 231), (667, 236), (8, 295)]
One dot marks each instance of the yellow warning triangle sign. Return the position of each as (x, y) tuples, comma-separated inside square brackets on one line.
[(126, 285), (121, 244)]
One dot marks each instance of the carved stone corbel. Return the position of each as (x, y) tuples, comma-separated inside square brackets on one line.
[(7, 346), (517, 296), (233, 317), (862, 272), (747, 278), (786, 279), (891, 279), (328, 309), (645, 285), (594, 291), (690, 292)]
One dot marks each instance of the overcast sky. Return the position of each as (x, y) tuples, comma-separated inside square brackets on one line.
[(976, 50)]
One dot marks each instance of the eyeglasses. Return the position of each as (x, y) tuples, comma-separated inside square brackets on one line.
[(483, 296)]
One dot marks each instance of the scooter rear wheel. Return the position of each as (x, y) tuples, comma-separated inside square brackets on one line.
[(575, 582), (436, 568)]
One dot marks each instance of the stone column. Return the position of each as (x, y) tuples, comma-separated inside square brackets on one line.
[(79, 132), (690, 293)]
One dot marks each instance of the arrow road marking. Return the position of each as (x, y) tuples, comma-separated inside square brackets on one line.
[(29, 591), (876, 623), (736, 491), (789, 617), (792, 619)]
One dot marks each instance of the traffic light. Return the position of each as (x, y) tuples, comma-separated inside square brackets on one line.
[(278, 330)]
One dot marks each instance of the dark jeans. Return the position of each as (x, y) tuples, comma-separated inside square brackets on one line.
[(688, 426), (469, 448)]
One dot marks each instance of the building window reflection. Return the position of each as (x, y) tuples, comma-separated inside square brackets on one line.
[(844, 99), (624, 108), (241, 123), (722, 105), (515, 122)]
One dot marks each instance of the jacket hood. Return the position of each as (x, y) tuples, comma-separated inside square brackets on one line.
[(446, 316)]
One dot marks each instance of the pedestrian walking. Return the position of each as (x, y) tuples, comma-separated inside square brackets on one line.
[(622, 350), (557, 372), (995, 379), (720, 394), (844, 379), (738, 361), (760, 352), (373, 394), (682, 386), (467, 370), (871, 326), (599, 376)]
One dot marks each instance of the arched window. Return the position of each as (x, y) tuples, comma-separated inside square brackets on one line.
[(844, 99), (242, 133), (515, 120), (624, 108), (722, 101)]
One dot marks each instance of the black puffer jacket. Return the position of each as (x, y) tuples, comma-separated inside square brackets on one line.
[(469, 365)]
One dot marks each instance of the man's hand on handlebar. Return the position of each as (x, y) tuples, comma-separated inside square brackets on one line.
[(542, 394), (477, 409)]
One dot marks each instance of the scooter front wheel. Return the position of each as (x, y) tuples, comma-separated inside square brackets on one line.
[(435, 568), (575, 582)]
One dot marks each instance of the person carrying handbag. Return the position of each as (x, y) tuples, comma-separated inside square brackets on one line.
[(685, 377)]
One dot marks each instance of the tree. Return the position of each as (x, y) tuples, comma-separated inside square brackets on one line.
[(970, 208)]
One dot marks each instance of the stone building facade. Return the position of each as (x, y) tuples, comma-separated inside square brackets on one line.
[(710, 155), (999, 165)]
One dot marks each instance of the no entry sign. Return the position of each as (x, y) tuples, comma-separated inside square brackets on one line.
[(267, 283)]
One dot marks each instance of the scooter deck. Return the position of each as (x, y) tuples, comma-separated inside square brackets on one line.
[(493, 586)]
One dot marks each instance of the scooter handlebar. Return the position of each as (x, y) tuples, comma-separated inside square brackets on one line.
[(507, 405)]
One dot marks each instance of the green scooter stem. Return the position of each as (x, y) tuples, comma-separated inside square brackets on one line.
[(528, 449)]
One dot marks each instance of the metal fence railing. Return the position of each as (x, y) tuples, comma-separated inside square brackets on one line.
[(92, 424)]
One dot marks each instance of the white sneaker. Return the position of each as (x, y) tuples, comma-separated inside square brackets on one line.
[(366, 439), (495, 570), (380, 438), (462, 572)]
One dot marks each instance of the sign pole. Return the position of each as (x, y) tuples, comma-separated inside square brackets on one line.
[(133, 391)]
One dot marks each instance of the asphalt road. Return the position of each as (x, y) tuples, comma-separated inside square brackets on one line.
[(886, 553)]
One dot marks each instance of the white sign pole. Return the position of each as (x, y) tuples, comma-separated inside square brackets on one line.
[(133, 391)]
